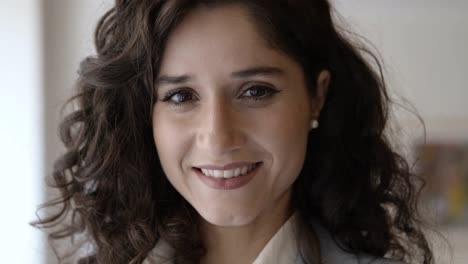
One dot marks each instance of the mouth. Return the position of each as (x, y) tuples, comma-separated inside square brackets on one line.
[(228, 173), (228, 179)]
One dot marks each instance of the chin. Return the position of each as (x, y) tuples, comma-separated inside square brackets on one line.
[(227, 218)]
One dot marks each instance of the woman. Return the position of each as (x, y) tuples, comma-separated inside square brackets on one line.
[(247, 131)]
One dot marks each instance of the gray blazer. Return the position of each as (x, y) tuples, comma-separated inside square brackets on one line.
[(333, 254)]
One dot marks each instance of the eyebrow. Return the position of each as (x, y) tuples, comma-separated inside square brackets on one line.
[(250, 72), (264, 70)]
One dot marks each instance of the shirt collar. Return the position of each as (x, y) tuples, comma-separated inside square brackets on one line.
[(282, 247)]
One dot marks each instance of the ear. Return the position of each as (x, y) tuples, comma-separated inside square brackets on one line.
[(318, 99)]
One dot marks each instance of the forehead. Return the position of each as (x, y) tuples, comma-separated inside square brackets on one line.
[(218, 38)]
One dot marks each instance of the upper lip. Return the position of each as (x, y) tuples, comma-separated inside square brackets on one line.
[(229, 166)]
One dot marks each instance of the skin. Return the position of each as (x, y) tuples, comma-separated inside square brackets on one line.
[(217, 122)]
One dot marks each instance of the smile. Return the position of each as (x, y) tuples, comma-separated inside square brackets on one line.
[(226, 174), (225, 179)]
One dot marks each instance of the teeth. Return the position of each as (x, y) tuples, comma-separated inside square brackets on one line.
[(226, 174), (243, 170)]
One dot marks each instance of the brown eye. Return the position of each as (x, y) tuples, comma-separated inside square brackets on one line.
[(259, 92), (178, 97)]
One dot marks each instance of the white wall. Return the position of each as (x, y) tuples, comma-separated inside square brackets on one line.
[(423, 44), (21, 146)]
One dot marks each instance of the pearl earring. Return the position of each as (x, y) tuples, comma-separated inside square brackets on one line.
[(314, 124)]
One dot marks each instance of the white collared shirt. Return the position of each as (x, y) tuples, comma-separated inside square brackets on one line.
[(280, 249)]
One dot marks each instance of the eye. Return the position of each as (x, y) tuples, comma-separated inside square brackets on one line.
[(178, 96), (258, 92)]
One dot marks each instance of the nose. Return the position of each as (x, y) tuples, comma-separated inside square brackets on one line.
[(220, 129)]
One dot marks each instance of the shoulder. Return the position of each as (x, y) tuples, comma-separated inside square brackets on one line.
[(333, 254)]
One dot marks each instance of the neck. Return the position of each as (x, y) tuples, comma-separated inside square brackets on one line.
[(242, 244)]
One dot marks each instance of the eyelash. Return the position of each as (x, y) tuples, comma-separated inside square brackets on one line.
[(269, 92), (172, 93)]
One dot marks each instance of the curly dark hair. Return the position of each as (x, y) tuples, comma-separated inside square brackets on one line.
[(114, 191)]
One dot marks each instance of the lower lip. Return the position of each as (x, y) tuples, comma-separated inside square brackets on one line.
[(228, 184)]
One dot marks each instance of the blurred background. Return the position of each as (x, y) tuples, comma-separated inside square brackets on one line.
[(423, 44)]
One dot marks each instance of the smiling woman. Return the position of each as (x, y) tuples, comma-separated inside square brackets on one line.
[(249, 112), (223, 131)]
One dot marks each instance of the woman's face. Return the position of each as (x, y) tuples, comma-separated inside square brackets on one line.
[(230, 105)]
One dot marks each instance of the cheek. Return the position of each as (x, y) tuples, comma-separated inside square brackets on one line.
[(169, 139), (286, 130), (284, 135)]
